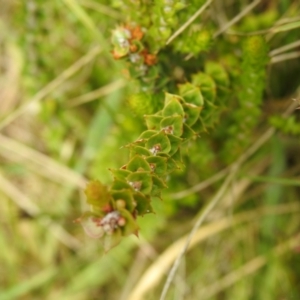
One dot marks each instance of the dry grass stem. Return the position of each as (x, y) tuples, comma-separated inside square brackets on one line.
[(67, 70), (50, 87), (251, 150), (200, 186), (158, 269), (56, 171), (285, 48), (189, 21), (96, 94), (206, 211), (104, 9), (233, 169), (21, 200), (237, 18), (283, 57), (237, 190), (270, 32), (249, 268), (10, 83)]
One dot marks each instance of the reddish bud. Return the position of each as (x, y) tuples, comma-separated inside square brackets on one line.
[(136, 33), (133, 48), (150, 59)]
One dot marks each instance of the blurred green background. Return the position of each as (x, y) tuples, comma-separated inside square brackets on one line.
[(64, 119)]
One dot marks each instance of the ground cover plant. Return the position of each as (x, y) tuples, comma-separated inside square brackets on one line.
[(149, 149)]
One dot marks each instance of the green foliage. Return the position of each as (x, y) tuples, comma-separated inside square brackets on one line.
[(144, 103), (194, 42), (249, 87), (152, 105), (259, 22), (288, 125), (156, 153), (194, 107)]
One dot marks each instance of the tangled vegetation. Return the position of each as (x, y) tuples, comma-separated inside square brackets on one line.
[(169, 130)]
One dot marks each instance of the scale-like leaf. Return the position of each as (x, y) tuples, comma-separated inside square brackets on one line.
[(153, 121), (172, 125), (139, 150), (158, 143), (143, 205), (191, 94), (140, 182), (172, 106), (157, 164), (137, 163), (120, 173), (97, 194), (192, 113), (125, 196)]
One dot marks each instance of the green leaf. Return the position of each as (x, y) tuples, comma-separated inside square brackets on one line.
[(191, 94), (159, 182), (137, 163), (120, 184), (158, 143), (153, 121), (172, 125), (158, 185), (141, 103), (175, 143), (126, 197), (219, 75), (140, 182), (170, 97), (188, 132), (172, 165), (206, 84), (198, 126), (192, 113), (158, 164), (172, 106), (143, 203), (147, 134), (97, 194), (177, 157), (138, 150), (120, 173)]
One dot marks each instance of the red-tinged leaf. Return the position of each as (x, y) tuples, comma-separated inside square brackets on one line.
[(97, 194)]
